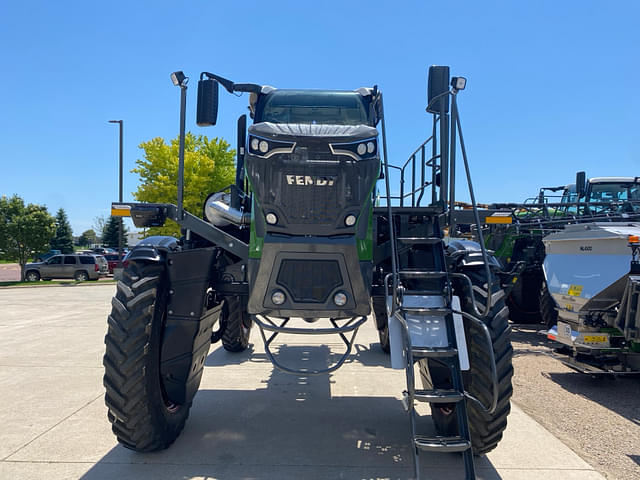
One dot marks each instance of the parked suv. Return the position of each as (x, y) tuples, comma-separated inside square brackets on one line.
[(79, 267)]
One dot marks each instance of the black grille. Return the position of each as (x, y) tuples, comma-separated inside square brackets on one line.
[(309, 281), (311, 203)]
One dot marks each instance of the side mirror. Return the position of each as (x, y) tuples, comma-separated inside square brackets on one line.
[(581, 184), (438, 84), (207, 111)]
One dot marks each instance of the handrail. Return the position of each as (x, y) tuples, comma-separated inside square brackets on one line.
[(418, 185)]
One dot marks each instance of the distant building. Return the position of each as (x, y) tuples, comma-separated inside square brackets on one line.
[(133, 238)]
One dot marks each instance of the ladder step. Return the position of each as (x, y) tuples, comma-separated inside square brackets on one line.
[(427, 310), (438, 396), (431, 352), (424, 292), (421, 274), (442, 444), (419, 240)]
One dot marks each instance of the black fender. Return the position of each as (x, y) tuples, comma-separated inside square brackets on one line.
[(189, 319), (153, 249), (469, 254)]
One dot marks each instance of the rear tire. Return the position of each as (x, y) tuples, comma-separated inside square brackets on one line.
[(382, 322), (143, 418), (524, 300), (486, 429), (548, 307), (81, 276), (235, 337)]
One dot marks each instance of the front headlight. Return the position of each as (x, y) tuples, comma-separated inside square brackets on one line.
[(265, 147), (361, 150)]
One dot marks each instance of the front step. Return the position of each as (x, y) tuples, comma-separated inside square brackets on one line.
[(427, 310), (438, 396), (419, 240), (421, 274), (442, 444), (434, 352)]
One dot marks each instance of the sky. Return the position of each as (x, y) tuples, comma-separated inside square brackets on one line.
[(551, 84)]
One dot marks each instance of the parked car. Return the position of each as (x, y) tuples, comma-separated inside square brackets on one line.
[(103, 250), (113, 261), (79, 267)]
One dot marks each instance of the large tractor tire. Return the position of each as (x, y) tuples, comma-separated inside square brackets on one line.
[(237, 325), (547, 307), (524, 300), (143, 418), (379, 309), (486, 429)]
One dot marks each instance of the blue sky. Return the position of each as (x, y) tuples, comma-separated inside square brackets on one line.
[(551, 84)]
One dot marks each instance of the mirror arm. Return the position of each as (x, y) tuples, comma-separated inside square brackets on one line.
[(247, 87), (227, 84), (231, 87)]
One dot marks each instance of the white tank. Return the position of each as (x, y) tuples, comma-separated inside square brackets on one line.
[(586, 266)]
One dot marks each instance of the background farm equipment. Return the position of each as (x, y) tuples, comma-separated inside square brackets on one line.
[(593, 276), (515, 233)]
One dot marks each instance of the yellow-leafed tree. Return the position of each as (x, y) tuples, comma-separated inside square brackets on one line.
[(208, 167)]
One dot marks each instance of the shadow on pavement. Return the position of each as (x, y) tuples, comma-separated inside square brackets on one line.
[(293, 428), (371, 356)]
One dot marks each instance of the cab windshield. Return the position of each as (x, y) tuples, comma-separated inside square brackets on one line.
[(607, 192), (313, 107)]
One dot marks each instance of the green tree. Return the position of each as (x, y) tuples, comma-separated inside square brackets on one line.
[(63, 238), (110, 233), (87, 238), (24, 230), (208, 167)]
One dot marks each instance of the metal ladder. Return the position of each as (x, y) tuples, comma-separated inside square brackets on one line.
[(447, 355)]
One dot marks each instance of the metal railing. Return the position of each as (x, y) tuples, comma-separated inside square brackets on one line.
[(414, 176)]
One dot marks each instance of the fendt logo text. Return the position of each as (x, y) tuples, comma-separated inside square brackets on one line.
[(306, 180)]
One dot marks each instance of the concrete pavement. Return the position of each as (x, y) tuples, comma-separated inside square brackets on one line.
[(9, 272), (248, 420)]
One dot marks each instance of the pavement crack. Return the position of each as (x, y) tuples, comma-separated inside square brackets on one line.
[(51, 428)]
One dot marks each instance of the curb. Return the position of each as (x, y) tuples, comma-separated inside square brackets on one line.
[(64, 285)]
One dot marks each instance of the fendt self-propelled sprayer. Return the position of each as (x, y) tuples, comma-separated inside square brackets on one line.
[(304, 244)]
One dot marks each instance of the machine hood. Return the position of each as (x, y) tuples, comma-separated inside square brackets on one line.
[(297, 130)]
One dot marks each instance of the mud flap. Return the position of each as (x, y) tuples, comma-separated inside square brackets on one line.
[(188, 325)]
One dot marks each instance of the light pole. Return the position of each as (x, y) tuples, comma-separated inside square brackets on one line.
[(120, 122), (179, 80)]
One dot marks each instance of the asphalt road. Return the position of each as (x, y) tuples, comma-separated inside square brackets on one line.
[(247, 421)]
